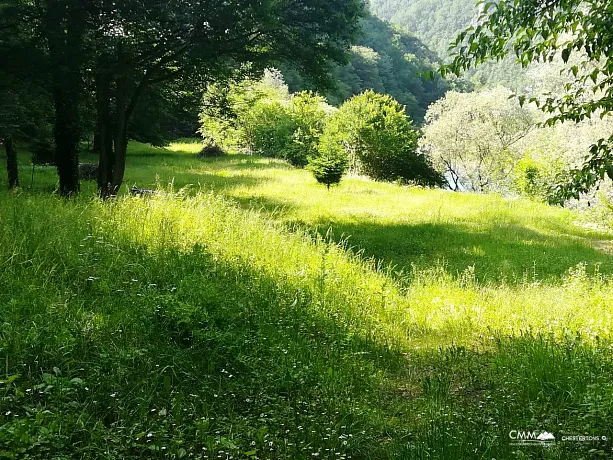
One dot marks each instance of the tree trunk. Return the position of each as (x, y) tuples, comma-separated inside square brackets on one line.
[(67, 141), (121, 135), (105, 134), (64, 28), (96, 143), (11, 162), (115, 106)]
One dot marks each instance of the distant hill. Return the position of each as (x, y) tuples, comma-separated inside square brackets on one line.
[(437, 23), (386, 59)]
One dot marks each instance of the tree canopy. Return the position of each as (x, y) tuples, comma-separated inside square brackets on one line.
[(536, 31), (113, 53), (473, 138)]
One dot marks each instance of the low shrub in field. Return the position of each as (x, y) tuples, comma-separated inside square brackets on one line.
[(211, 150), (88, 171), (535, 178), (328, 169)]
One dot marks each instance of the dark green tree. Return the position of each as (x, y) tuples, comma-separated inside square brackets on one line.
[(24, 102), (64, 24), (329, 168), (139, 45), (115, 52), (379, 140)]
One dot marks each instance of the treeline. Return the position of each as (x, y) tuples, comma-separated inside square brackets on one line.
[(115, 70)]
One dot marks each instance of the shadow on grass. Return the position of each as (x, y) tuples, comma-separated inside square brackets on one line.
[(510, 253), (206, 173)]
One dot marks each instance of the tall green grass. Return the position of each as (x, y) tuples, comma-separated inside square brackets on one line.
[(218, 322)]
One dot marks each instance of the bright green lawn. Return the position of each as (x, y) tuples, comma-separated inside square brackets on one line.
[(226, 322)]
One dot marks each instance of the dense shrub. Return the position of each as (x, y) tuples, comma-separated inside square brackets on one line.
[(211, 150), (263, 118), (226, 107), (286, 129), (88, 171), (534, 178), (268, 128), (378, 139)]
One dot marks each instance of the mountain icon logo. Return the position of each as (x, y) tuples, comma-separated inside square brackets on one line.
[(546, 437)]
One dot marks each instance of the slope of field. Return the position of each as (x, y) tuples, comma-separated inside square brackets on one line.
[(223, 320)]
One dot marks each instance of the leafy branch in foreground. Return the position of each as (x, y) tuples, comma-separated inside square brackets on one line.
[(538, 31)]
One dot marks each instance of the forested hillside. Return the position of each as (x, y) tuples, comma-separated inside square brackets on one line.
[(386, 59), (437, 23)]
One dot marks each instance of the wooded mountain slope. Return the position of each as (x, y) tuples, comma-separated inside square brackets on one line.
[(436, 22), (386, 59)]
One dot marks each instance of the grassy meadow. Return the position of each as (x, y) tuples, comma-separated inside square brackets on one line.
[(247, 312)]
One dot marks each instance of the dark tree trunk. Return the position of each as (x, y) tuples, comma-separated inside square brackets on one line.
[(67, 141), (11, 162), (121, 135), (115, 105), (64, 27), (105, 134)]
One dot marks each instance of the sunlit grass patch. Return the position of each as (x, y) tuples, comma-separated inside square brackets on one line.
[(187, 146)]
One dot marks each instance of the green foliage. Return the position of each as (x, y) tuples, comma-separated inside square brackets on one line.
[(286, 129), (386, 59), (329, 167), (225, 107), (533, 178), (379, 140), (436, 22), (540, 32), (268, 128), (262, 117), (166, 112), (104, 59)]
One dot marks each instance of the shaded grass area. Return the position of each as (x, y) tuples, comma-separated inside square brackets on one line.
[(182, 327), (188, 326)]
